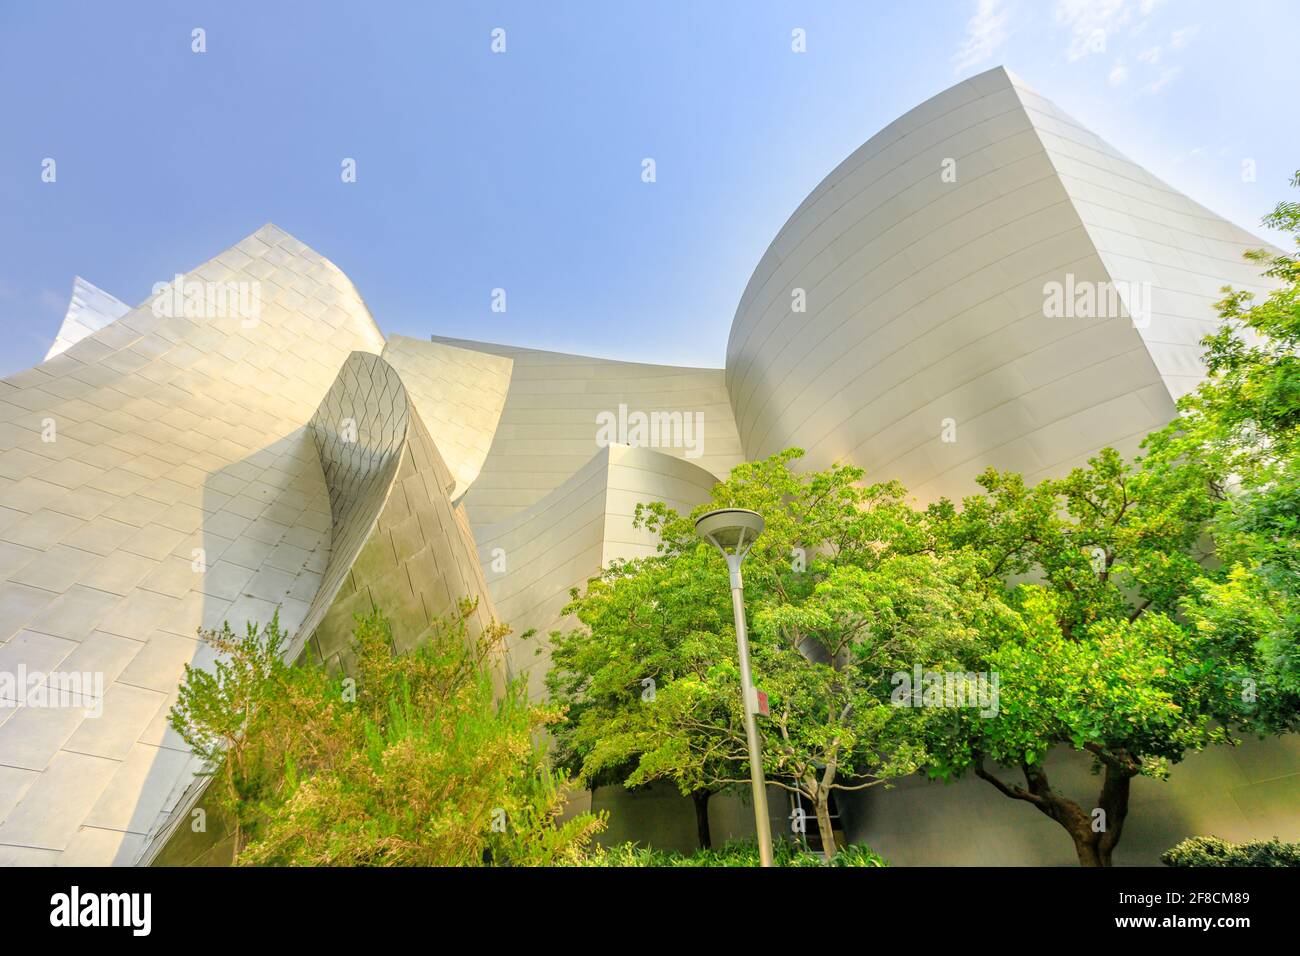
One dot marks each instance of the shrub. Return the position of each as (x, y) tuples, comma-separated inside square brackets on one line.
[(732, 854), (410, 761), (1211, 851)]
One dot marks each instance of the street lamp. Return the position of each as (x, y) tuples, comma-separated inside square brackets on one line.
[(733, 532)]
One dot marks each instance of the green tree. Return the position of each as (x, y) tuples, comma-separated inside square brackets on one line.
[(411, 761), (1239, 433), (1110, 658), (841, 588), (1159, 598), (645, 623)]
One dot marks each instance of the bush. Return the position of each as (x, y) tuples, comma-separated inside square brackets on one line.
[(732, 854), (410, 761), (1211, 851)]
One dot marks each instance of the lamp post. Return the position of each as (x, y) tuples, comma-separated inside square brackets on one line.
[(733, 532)]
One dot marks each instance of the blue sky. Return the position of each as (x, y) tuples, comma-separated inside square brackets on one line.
[(522, 170)]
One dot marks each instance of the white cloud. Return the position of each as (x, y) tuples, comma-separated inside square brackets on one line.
[(1094, 24), (1150, 55), (985, 33), (1119, 75), (1163, 80), (1178, 39)]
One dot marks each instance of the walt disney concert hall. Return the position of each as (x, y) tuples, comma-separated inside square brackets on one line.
[(167, 468)]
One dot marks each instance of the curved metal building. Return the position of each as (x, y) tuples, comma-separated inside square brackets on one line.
[(983, 282), (903, 319)]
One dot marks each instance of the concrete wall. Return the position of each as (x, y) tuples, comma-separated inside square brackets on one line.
[(659, 816), (1250, 792)]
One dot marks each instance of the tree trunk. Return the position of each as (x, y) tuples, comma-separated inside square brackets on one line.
[(1066, 812), (1114, 801), (1095, 837), (822, 802), (701, 799), (1085, 846), (824, 825)]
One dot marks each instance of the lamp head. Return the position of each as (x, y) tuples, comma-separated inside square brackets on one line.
[(731, 530)]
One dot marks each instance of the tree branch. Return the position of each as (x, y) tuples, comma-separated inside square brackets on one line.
[(1009, 790)]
